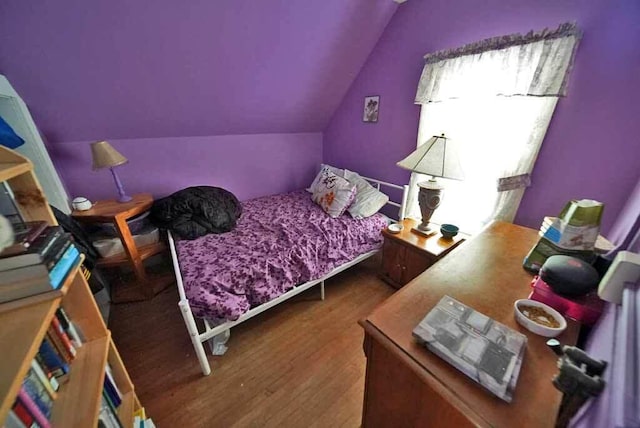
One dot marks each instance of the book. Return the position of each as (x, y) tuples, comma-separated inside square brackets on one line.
[(33, 254), (69, 327), (13, 421), (107, 398), (24, 274), (54, 362), (111, 393), (24, 235), (52, 257), (44, 379), (52, 378), (545, 249), (24, 288), (33, 410), (111, 386), (36, 252), (66, 342), (38, 393), (488, 352), (22, 413), (61, 269), (107, 416), (58, 345), (602, 245), (141, 413)]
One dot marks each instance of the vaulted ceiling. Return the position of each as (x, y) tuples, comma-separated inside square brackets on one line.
[(129, 69)]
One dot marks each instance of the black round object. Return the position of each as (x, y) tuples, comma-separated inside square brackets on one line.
[(569, 276)]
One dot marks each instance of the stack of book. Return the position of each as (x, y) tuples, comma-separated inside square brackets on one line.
[(575, 233), (111, 399), (48, 372), (550, 230), (38, 262)]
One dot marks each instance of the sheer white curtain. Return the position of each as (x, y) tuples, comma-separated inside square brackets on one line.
[(494, 99)]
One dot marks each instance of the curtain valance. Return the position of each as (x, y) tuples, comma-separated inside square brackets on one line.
[(492, 62)]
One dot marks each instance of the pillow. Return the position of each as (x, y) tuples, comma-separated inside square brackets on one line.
[(334, 194), (368, 200), (323, 167)]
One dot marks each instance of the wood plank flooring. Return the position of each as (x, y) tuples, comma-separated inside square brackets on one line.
[(300, 364)]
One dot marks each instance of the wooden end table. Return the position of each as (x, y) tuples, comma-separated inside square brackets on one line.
[(407, 254), (145, 285)]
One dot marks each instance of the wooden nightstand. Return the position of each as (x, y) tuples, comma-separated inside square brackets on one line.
[(144, 286), (407, 254)]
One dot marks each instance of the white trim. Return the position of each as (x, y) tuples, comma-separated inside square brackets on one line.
[(198, 338), (15, 112)]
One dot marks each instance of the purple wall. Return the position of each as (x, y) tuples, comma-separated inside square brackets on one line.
[(625, 232), (134, 69), (247, 165), (137, 73), (591, 149)]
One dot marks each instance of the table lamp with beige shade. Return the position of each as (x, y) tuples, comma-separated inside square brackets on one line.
[(105, 156), (437, 159)]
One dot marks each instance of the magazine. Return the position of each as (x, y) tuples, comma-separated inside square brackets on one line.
[(485, 350)]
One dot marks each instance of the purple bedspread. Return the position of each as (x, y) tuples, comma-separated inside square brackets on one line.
[(280, 241)]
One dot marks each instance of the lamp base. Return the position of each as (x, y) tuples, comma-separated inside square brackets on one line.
[(122, 196), (429, 198), (430, 231)]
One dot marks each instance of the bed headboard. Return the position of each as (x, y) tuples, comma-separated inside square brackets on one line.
[(402, 205)]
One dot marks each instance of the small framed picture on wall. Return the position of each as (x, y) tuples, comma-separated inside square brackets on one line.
[(371, 108)]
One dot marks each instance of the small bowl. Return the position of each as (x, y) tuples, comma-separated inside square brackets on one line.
[(449, 230), (533, 326), (395, 228)]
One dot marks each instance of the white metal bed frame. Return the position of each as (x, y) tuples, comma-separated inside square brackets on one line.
[(198, 338)]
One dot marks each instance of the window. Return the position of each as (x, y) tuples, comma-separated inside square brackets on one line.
[(494, 100)]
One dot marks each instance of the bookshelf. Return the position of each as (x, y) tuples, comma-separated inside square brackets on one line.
[(24, 324)]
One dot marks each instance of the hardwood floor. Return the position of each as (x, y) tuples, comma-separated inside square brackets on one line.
[(299, 364)]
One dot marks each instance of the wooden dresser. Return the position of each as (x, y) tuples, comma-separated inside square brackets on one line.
[(408, 386)]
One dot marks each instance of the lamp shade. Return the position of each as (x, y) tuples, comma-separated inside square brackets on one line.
[(105, 156), (436, 158)]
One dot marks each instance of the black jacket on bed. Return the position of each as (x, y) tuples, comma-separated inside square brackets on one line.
[(197, 211)]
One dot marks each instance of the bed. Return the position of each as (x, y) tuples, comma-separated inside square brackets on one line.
[(282, 245)]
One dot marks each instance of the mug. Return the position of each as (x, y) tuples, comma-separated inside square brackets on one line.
[(81, 204)]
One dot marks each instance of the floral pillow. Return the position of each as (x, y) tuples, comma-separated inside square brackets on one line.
[(334, 194), (323, 169)]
